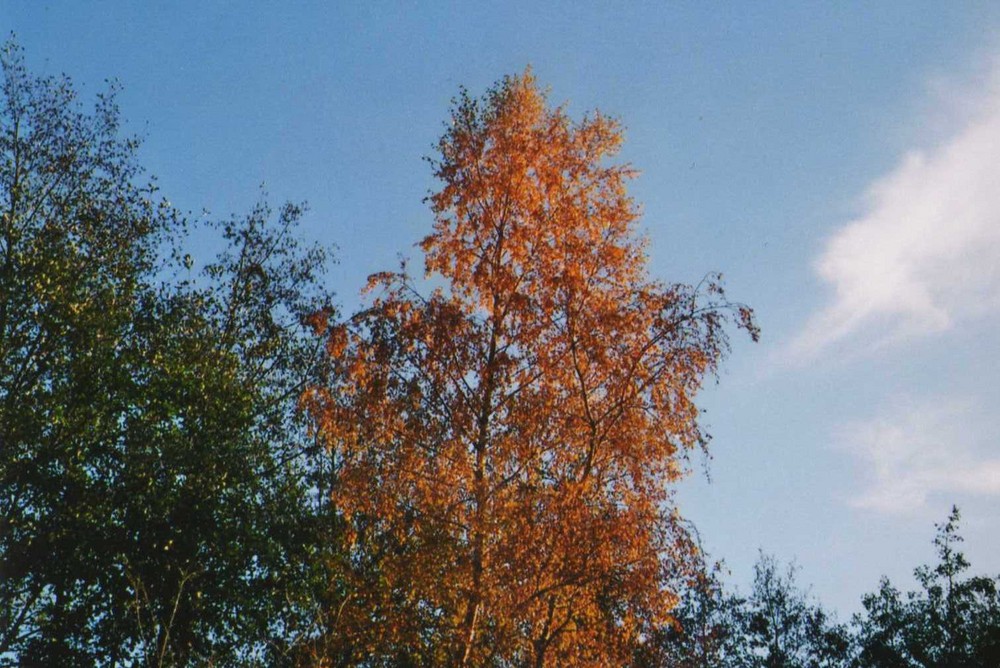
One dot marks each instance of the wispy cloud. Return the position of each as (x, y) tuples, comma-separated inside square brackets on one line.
[(918, 449), (925, 254)]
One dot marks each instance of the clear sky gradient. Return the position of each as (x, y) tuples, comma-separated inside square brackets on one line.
[(838, 162)]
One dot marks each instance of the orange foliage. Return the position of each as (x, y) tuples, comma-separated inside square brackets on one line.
[(505, 447)]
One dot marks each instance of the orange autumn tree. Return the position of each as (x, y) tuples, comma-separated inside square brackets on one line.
[(505, 447)]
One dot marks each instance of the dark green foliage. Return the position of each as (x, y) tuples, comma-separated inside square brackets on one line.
[(776, 626), (783, 628), (160, 496), (707, 629), (952, 622)]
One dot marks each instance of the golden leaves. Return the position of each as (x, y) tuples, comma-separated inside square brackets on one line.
[(505, 446)]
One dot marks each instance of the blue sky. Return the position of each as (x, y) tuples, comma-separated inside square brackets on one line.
[(837, 161)]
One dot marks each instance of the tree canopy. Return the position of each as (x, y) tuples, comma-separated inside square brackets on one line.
[(155, 507), (202, 463), (951, 621), (505, 446)]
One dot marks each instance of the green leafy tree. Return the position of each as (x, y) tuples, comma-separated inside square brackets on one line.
[(776, 626), (952, 622), (159, 493), (705, 632), (783, 628)]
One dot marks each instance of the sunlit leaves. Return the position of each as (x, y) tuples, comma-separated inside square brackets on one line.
[(505, 446)]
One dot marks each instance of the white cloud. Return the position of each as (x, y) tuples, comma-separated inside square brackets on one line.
[(923, 448), (925, 254)]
